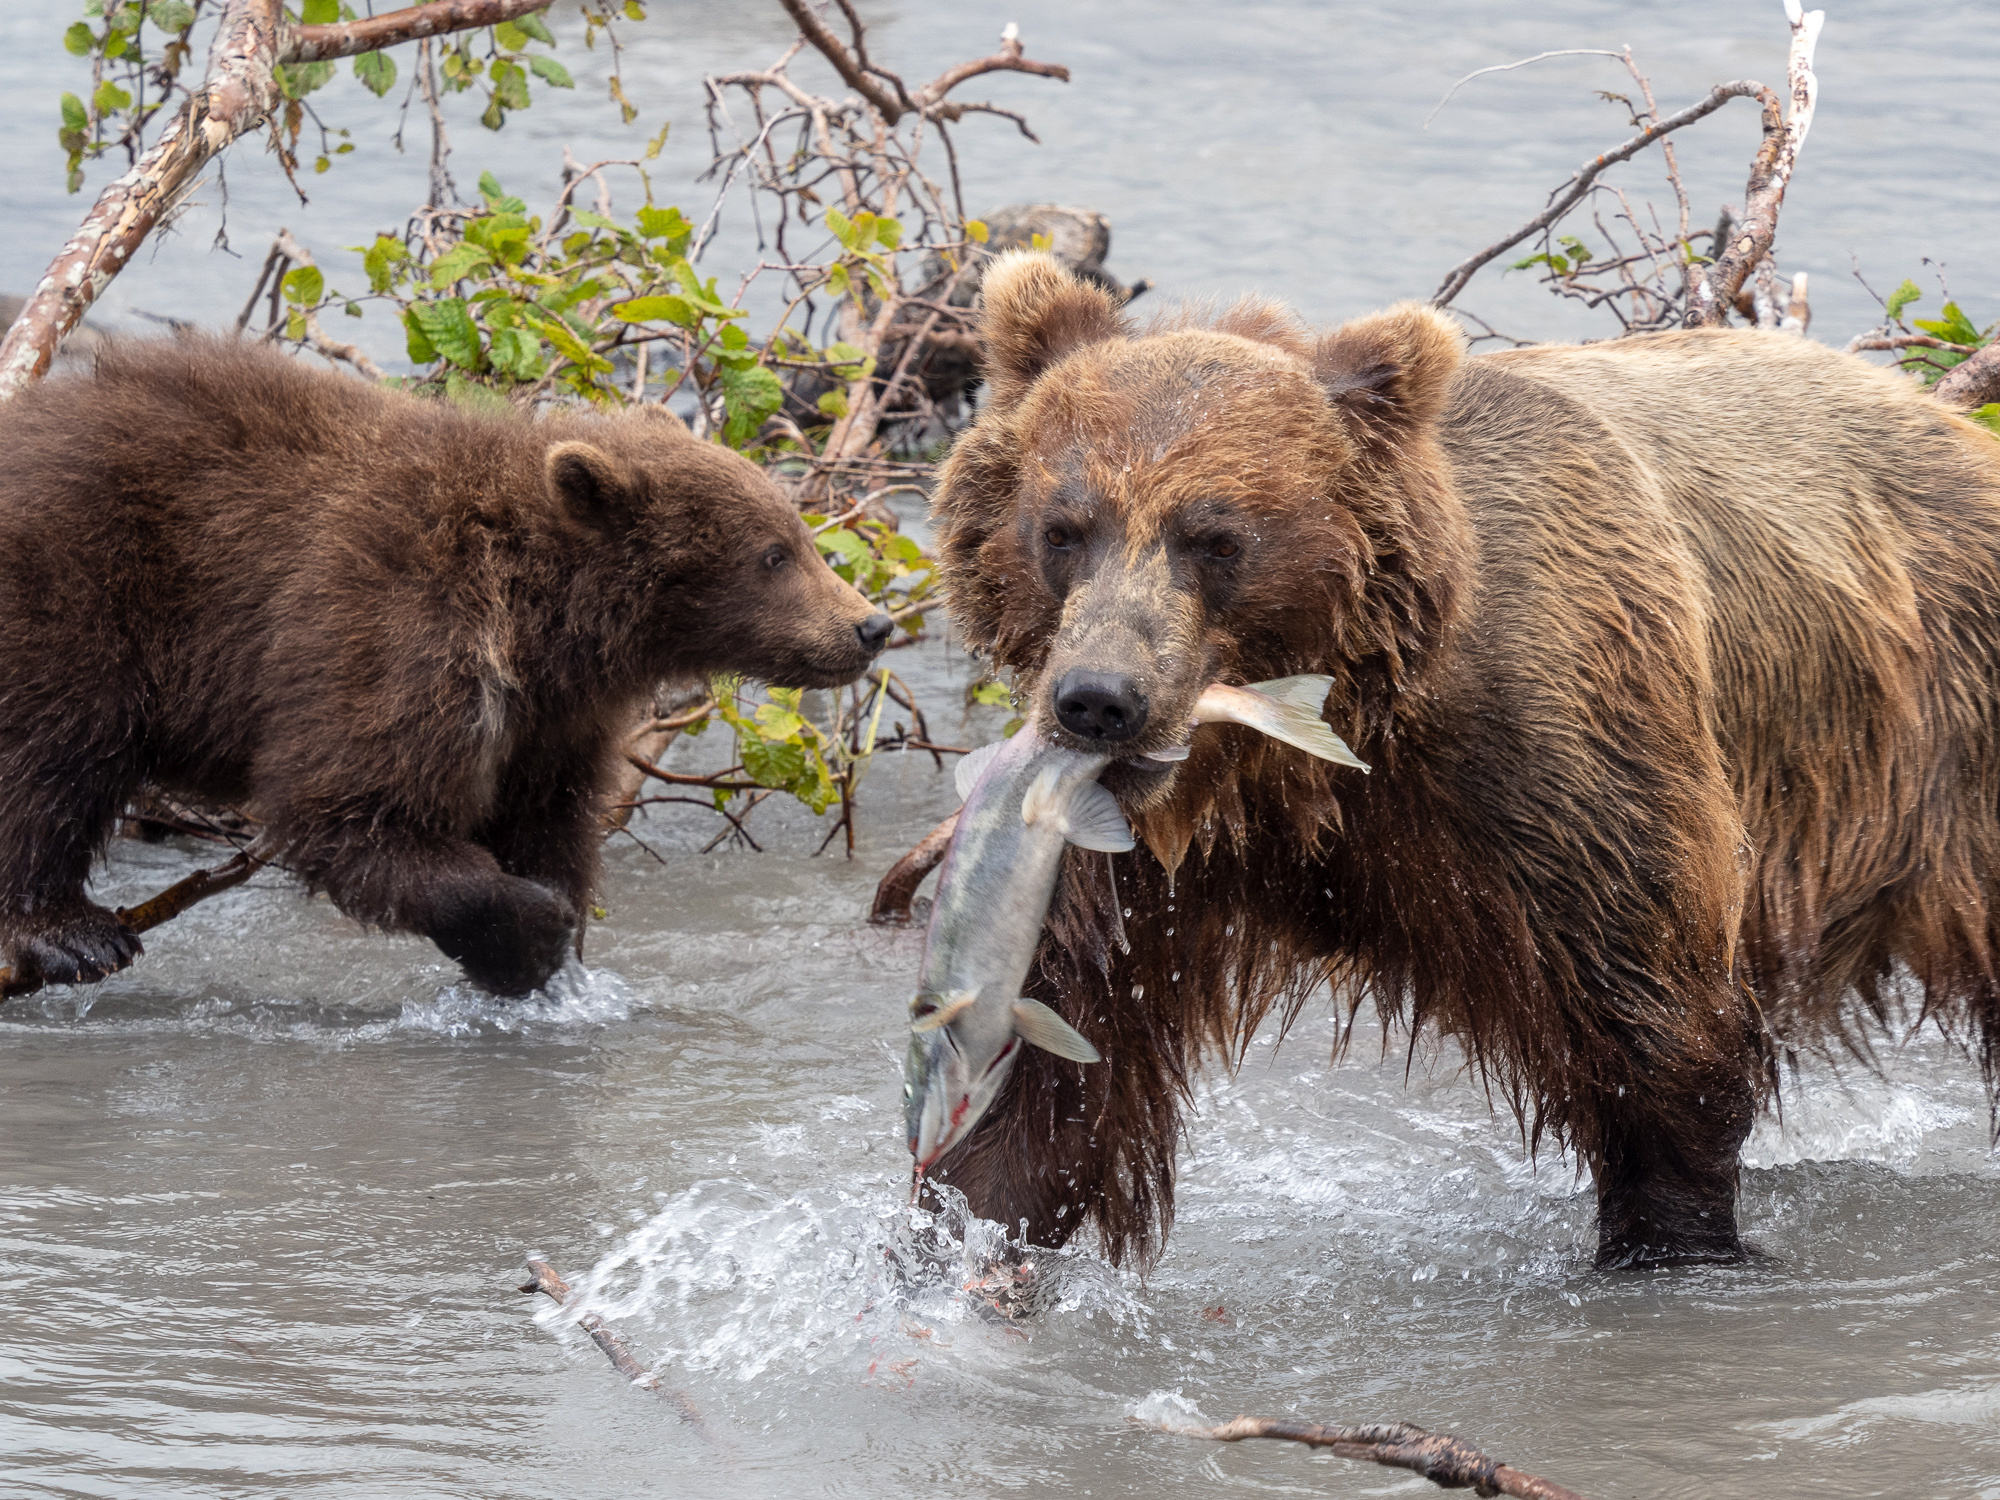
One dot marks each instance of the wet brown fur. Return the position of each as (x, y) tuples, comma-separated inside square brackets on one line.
[(1674, 658), (408, 636)]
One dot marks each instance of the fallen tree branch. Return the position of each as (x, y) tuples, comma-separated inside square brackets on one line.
[(1973, 383), (154, 911), (550, 1283), (1449, 1463), (898, 888), (372, 34)]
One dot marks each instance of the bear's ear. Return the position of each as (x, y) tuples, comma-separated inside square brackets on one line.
[(652, 411), (1035, 313), (1389, 373), (590, 485)]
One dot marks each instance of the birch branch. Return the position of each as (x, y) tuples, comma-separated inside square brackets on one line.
[(1770, 173), (1973, 383), (239, 94)]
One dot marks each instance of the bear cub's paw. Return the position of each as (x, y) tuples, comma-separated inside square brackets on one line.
[(510, 935), (76, 945)]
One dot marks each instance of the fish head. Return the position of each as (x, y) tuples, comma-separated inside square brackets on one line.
[(1134, 517), (952, 1075)]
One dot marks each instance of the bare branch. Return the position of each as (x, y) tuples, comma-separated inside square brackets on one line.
[(1587, 174), (899, 887), (1510, 67), (550, 1283), (348, 38), (1447, 1462)]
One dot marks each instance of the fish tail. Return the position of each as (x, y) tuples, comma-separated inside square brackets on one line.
[(1289, 709)]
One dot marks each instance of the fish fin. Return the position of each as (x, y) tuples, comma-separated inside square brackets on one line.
[(972, 767), (1296, 704), (946, 1013), (1095, 822), (1040, 799), (1041, 1027)]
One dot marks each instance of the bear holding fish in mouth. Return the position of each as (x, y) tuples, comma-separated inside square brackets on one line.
[(1675, 663)]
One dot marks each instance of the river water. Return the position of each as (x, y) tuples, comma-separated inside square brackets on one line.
[(264, 1198)]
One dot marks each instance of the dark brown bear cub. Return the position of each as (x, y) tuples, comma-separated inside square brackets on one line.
[(405, 636), (1677, 660)]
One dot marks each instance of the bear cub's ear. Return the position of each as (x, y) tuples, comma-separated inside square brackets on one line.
[(1390, 372), (1035, 313), (590, 484)]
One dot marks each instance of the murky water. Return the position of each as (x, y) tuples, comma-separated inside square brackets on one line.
[(264, 1199)]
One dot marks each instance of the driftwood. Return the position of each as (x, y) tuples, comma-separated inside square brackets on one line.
[(1973, 383), (239, 94), (549, 1282), (1449, 1463), (150, 913), (898, 888)]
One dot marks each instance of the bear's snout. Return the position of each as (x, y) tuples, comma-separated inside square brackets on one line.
[(874, 632), (1106, 707)]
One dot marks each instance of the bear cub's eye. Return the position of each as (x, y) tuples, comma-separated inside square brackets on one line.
[(1060, 538), (776, 557), (1222, 548)]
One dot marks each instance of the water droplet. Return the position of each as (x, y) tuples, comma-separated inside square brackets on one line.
[(1170, 933), (1138, 992), (1177, 974)]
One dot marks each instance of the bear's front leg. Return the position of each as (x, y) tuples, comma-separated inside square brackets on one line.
[(74, 942), (549, 825), (1667, 1173), (510, 934)]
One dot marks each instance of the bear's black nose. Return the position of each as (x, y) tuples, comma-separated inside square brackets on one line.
[(1100, 705), (874, 631)]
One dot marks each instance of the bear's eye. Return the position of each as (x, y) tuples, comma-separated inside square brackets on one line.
[(776, 557), (1222, 548), (1060, 538)]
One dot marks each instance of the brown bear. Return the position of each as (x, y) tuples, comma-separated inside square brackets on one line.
[(406, 636), (1677, 661)]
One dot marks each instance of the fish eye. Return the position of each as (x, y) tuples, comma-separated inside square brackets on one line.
[(775, 557), (1059, 538)]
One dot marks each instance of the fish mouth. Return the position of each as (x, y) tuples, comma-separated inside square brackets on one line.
[(954, 1097)]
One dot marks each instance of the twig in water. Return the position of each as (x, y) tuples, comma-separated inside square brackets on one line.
[(547, 1280), (1447, 1462)]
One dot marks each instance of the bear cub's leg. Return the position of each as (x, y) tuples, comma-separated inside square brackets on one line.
[(54, 817), (509, 934)]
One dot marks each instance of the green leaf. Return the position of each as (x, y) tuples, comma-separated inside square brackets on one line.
[(553, 73), (662, 223), (495, 116), (1902, 297), (749, 396), (975, 229), (519, 353), (1954, 326), (319, 12), (422, 350), (666, 307), (74, 115), (889, 232), (457, 263), (841, 226), (295, 325), (1987, 416), (79, 40), (778, 765), (734, 338), (558, 333), (474, 396), (377, 72), (653, 147), (833, 404), (304, 286), (837, 282), (110, 98), (451, 331), (842, 544), (510, 85), (594, 221), (537, 28), (510, 37), (378, 258), (170, 15)]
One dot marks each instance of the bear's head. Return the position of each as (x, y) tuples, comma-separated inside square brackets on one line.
[(1228, 499), (723, 570)]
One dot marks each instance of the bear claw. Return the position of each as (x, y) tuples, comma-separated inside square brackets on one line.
[(82, 948)]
